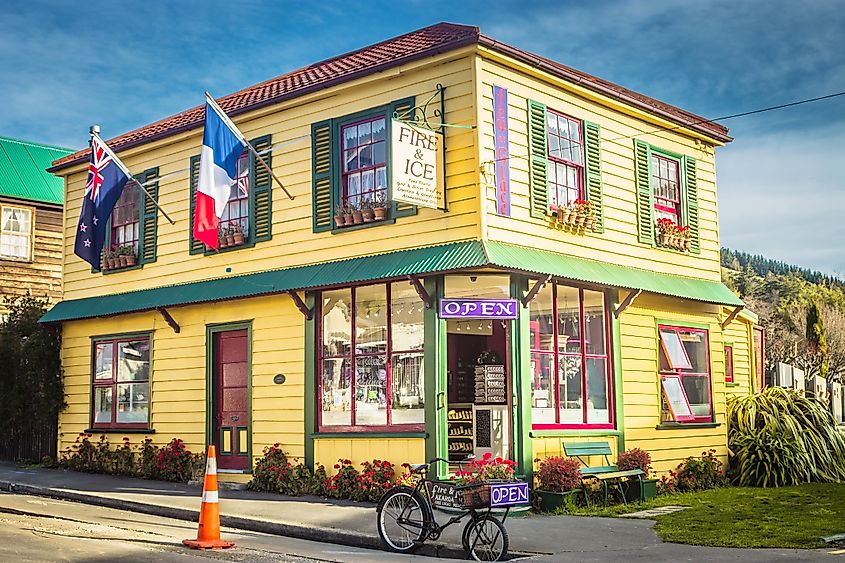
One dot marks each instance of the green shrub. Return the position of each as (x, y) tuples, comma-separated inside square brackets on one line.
[(274, 473), (376, 477), (694, 474), (778, 437), (558, 474)]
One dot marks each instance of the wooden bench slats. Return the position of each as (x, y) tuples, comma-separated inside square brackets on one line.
[(587, 448), (593, 470)]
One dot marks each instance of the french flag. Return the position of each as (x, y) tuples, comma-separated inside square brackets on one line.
[(222, 145)]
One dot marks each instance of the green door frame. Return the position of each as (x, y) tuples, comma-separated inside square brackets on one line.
[(210, 407)]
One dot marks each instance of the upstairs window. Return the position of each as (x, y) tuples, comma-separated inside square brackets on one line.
[(352, 168), (666, 183), (729, 364), (684, 368), (564, 164), (247, 218), (364, 162), (566, 159), (126, 218), (15, 232)]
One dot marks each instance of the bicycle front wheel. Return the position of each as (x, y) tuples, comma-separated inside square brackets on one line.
[(487, 539), (402, 520)]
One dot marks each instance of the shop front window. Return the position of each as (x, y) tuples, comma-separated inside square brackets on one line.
[(371, 358), (570, 371), (121, 383), (684, 363)]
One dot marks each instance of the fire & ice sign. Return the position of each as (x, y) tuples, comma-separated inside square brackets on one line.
[(508, 494), (503, 170), (417, 165), (479, 309)]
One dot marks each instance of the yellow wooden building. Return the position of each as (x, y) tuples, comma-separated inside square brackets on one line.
[(564, 286)]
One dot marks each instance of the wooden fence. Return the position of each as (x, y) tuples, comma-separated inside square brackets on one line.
[(30, 444)]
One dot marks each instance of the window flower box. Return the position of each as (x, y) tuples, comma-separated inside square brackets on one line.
[(119, 258), (577, 216), (366, 211), (670, 235)]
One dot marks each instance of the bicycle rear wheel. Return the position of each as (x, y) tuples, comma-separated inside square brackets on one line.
[(402, 519), (487, 539)]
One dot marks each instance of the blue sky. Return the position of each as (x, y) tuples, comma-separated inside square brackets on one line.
[(67, 65)]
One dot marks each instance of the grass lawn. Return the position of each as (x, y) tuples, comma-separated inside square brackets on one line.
[(788, 517)]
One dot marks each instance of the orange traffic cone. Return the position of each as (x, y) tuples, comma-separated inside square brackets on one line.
[(208, 534)]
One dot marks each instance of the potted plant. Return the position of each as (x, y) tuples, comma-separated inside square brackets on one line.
[(638, 489), (686, 237), (129, 252), (230, 236), (367, 211), (238, 234), (339, 221), (121, 257), (357, 214), (105, 259), (347, 215), (380, 207), (665, 229), (558, 481), (582, 210)]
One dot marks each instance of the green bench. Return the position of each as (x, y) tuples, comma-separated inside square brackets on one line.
[(608, 475)]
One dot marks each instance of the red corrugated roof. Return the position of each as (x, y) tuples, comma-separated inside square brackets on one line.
[(428, 41)]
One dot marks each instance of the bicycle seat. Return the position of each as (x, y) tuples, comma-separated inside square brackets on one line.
[(417, 467)]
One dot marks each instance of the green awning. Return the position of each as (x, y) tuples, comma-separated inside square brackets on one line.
[(419, 261)]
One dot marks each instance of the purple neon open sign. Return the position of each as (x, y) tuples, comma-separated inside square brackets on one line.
[(500, 309)]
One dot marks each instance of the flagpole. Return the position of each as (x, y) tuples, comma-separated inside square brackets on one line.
[(257, 156), (119, 163)]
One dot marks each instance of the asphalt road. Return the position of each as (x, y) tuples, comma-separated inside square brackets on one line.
[(34, 529)]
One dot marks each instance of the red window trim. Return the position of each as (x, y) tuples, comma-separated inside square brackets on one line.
[(387, 354), (344, 174), (664, 204), (580, 168), (115, 226), (681, 373), (584, 356), (729, 363), (113, 383)]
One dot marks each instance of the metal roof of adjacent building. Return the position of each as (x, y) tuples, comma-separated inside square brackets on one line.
[(400, 264), (425, 42), (23, 171)]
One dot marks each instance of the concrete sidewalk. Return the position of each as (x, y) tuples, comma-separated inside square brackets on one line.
[(552, 538)]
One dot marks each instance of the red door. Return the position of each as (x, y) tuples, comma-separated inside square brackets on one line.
[(231, 420)]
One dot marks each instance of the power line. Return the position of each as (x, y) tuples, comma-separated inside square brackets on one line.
[(676, 127), (724, 117)]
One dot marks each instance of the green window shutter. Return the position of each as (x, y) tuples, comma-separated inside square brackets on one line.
[(261, 191), (539, 159), (592, 148), (149, 217), (403, 109), (645, 196), (322, 192), (690, 200), (195, 246)]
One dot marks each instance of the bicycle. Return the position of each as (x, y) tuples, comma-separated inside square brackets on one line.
[(405, 514)]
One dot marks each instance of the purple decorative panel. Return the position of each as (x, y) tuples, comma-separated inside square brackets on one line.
[(503, 165), (479, 309)]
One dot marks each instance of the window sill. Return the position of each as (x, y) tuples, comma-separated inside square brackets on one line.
[(337, 230), (119, 431), (121, 269), (678, 425), (553, 433), (18, 260), (212, 252), (728, 384), (365, 434)]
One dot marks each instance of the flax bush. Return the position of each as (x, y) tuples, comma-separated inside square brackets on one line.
[(778, 437)]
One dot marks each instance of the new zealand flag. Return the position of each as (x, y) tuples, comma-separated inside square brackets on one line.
[(106, 179)]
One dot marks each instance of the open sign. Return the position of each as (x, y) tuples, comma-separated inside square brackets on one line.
[(479, 309), (508, 494)]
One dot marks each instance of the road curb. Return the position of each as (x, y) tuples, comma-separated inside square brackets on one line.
[(312, 533)]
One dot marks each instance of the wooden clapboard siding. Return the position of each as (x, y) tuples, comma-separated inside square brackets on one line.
[(41, 277), (293, 241), (641, 388), (327, 451), (618, 243), (178, 371)]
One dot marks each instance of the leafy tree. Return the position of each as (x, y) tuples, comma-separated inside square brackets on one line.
[(31, 388), (817, 339)]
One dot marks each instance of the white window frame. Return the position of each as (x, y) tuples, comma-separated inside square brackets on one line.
[(30, 234)]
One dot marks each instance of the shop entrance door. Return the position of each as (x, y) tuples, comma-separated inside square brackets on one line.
[(478, 388), (230, 426)]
